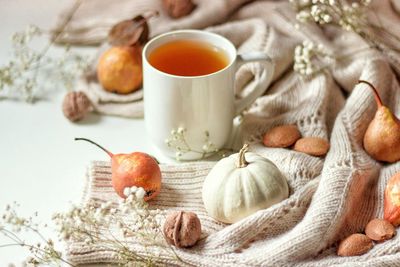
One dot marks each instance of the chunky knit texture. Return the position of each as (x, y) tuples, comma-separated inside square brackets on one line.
[(330, 197)]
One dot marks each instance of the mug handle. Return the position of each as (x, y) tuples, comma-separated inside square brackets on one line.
[(257, 88)]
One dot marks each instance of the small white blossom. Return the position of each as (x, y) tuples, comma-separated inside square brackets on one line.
[(326, 18), (303, 16), (129, 198), (181, 130), (178, 154), (140, 193), (127, 191), (205, 147), (134, 189)]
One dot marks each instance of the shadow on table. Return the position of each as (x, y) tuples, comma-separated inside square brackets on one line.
[(91, 118)]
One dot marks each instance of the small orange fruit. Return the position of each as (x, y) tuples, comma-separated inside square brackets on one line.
[(120, 69), (134, 169)]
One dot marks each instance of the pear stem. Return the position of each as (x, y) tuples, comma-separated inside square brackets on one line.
[(99, 146), (377, 97), (242, 160)]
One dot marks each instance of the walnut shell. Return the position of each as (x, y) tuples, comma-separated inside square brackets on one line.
[(178, 8), (355, 245), (313, 146), (75, 105), (182, 229), (380, 230), (282, 136)]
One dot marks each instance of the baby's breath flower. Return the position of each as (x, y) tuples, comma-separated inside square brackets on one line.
[(19, 78), (178, 155), (205, 147), (168, 142), (181, 130), (140, 193), (349, 16), (134, 189), (177, 140), (305, 56), (127, 191), (303, 16)]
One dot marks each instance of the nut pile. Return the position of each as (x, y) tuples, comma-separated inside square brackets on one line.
[(286, 136), (377, 230)]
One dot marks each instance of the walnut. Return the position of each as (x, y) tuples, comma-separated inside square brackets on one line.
[(182, 229), (178, 8), (75, 105)]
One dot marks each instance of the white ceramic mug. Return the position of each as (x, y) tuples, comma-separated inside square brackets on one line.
[(189, 117)]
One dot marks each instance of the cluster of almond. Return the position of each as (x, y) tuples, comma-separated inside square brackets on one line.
[(377, 230), (287, 136)]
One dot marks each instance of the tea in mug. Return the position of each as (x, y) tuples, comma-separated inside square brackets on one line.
[(188, 58)]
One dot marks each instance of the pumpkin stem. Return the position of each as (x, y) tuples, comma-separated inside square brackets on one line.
[(242, 160)]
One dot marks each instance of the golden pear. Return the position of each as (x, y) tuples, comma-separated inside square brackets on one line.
[(382, 138), (120, 69)]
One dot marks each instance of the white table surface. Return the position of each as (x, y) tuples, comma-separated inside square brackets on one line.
[(41, 167)]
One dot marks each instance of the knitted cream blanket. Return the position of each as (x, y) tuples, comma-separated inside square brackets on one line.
[(330, 197)]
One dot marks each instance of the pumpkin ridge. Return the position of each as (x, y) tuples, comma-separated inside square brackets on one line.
[(257, 186), (253, 173), (222, 189), (227, 201)]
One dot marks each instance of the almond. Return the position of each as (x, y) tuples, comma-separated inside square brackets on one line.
[(380, 230), (314, 146), (354, 245), (282, 136)]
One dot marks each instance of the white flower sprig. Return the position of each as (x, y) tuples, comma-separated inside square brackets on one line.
[(31, 73), (111, 226), (42, 252), (348, 15), (178, 141), (27, 75), (306, 54)]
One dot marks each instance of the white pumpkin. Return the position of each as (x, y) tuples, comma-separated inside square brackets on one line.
[(241, 184)]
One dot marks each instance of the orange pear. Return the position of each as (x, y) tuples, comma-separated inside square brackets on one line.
[(134, 169), (120, 69), (392, 200), (382, 138)]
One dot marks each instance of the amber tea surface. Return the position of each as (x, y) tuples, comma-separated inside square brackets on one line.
[(188, 58)]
